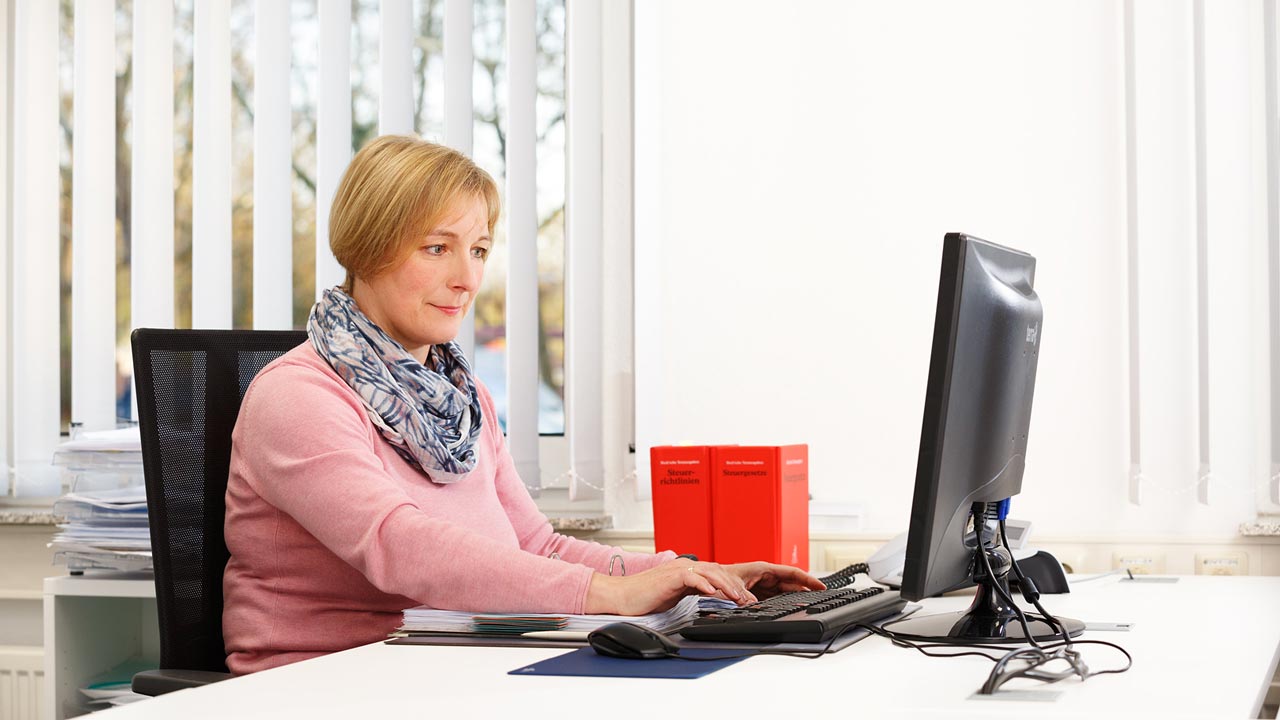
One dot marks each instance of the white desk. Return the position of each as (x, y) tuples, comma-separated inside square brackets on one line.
[(1203, 647)]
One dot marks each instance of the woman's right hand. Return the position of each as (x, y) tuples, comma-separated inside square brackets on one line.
[(660, 588)]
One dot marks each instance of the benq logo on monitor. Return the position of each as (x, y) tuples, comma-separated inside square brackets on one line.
[(1032, 332)]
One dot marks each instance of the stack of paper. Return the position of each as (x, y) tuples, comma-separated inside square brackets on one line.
[(105, 529), (101, 460), (423, 619), (516, 624), (106, 508)]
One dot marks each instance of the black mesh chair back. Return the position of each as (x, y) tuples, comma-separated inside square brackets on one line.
[(190, 384)]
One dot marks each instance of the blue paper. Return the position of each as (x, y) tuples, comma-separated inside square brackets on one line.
[(585, 662)]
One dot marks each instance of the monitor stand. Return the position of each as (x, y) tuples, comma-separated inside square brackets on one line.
[(988, 620)]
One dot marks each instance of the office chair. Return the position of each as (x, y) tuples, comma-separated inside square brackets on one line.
[(190, 384)]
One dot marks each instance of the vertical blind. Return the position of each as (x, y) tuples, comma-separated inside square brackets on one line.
[(333, 128), (211, 170), (522, 232), (585, 269), (5, 411), (93, 245), (458, 121), (272, 170), (1189, 86), (34, 272), (1272, 115), (153, 187), (32, 367)]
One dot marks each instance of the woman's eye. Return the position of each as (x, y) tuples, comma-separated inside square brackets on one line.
[(435, 249), (480, 253)]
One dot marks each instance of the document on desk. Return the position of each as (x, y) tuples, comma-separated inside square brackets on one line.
[(423, 619)]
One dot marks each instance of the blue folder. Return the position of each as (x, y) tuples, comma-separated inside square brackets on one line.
[(585, 662)]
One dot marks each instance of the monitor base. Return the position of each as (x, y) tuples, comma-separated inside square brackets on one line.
[(963, 628), (992, 618)]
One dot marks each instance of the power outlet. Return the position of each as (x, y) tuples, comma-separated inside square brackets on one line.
[(1138, 562), (1222, 563)]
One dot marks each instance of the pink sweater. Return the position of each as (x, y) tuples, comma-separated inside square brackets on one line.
[(332, 534)]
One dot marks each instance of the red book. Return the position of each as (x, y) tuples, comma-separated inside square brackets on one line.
[(760, 504), (682, 499)]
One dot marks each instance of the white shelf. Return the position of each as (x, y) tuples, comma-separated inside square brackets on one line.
[(102, 585), (93, 623)]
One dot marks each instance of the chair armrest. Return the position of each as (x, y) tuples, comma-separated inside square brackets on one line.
[(159, 682)]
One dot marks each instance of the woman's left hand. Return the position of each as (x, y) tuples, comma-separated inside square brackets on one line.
[(766, 579)]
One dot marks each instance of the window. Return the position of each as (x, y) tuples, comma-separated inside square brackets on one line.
[(199, 253)]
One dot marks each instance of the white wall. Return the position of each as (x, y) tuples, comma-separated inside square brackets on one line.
[(798, 165)]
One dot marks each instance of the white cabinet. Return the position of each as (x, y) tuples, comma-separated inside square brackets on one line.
[(91, 625)]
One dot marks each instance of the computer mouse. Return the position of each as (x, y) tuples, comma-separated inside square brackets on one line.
[(632, 641)]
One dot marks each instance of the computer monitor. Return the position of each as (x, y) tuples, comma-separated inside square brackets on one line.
[(973, 442)]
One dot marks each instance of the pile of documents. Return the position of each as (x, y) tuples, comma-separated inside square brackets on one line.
[(101, 460), (517, 624), (104, 529), (425, 620), (105, 511)]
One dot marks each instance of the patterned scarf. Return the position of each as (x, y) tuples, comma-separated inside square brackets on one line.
[(429, 413)]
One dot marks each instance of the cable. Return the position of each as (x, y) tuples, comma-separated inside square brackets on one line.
[(973, 648), (921, 647), (995, 679), (1004, 595), (844, 576), (1030, 591), (1036, 656), (999, 676), (1099, 576)]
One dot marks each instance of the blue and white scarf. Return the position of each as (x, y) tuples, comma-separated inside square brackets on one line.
[(429, 413)]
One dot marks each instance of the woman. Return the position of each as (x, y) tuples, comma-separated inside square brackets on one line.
[(368, 471)]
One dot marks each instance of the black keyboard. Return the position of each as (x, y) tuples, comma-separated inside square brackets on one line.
[(812, 616)]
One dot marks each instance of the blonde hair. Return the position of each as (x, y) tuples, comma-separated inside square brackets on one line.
[(396, 188)]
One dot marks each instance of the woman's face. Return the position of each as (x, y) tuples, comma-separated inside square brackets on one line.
[(421, 302)]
